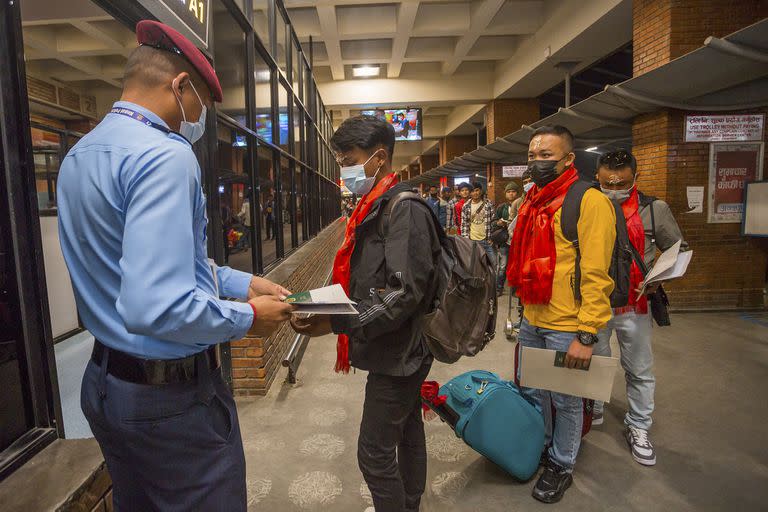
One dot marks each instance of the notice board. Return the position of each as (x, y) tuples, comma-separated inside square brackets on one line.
[(755, 209), (731, 167)]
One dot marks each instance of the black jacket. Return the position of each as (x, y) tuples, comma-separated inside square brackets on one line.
[(393, 282)]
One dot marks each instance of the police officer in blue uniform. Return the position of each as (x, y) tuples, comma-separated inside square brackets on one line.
[(133, 233)]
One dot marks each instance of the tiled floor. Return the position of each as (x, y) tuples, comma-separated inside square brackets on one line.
[(710, 435)]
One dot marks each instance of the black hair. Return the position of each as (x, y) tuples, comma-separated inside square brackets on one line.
[(148, 67), (434, 186), (555, 129), (364, 132), (465, 185), (617, 160), (477, 185)]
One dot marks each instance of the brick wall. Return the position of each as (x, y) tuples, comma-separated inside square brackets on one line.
[(728, 271), (455, 145), (255, 360), (666, 29), (505, 116)]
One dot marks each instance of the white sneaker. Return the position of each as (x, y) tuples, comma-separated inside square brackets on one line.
[(642, 449), (597, 418), (370, 509)]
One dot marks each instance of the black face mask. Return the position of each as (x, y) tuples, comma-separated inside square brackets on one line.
[(543, 171)]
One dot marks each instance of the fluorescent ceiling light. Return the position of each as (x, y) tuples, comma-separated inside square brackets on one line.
[(366, 71), (593, 148)]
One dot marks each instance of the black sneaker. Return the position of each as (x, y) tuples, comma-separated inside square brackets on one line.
[(552, 484), (642, 449)]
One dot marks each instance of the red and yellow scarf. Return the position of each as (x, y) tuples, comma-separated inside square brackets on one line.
[(532, 254), (341, 265)]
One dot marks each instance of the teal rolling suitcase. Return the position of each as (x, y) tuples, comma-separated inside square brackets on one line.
[(491, 416)]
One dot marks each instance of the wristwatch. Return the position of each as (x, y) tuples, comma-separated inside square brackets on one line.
[(587, 338)]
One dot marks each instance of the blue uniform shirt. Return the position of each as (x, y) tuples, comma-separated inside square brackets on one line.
[(132, 225)]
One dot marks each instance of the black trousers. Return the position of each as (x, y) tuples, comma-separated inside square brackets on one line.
[(175, 447), (391, 449)]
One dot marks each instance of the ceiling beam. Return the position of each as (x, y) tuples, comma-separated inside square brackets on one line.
[(480, 16), (330, 30), (103, 36), (406, 16)]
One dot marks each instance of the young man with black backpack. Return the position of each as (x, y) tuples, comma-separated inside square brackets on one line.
[(388, 265), (559, 313), (650, 225)]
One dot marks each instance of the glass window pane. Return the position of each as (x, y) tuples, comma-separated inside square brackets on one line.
[(287, 198), (235, 198), (296, 65), (261, 20), (229, 56), (268, 217), (298, 131), (280, 52), (307, 88), (263, 99), (46, 151), (282, 96), (300, 201)]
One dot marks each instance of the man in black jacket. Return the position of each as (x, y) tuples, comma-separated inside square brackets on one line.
[(392, 275)]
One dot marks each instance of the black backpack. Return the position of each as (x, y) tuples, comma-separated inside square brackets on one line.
[(621, 260), (462, 319)]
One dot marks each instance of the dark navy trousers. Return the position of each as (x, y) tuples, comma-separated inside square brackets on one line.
[(173, 447)]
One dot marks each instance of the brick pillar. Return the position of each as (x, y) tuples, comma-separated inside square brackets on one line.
[(664, 30), (452, 146), (505, 116)]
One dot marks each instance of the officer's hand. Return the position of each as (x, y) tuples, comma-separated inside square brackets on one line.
[(270, 313), (578, 356), (260, 286), (312, 326)]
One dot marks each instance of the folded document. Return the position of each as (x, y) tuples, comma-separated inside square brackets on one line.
[(541, 369), (330, 300)]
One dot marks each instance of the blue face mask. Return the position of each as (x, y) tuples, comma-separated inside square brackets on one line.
[(192, 131), (355, 179)]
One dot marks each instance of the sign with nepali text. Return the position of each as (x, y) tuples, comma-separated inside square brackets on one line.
[(731, 167), (725, 128)]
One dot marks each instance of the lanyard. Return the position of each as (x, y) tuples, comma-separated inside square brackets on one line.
[(143, 119)]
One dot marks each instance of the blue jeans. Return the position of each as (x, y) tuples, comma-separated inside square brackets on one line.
[(502, 271), (634, 334), (565, 438)]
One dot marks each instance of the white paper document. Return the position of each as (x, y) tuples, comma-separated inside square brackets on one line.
[(538, 370), (671, 264), (330, 300)]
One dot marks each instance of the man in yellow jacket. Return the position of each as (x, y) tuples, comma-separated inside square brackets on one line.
[(542, 268)]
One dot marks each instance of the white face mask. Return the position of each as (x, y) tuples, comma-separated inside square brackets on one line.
[(355, 179), (192, 131), (618, 195)]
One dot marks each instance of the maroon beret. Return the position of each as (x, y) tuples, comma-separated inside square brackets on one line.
[(163, 37)]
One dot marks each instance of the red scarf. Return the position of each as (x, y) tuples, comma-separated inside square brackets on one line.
[(636, 232), (457, 212), (341, 270), (532, 264)]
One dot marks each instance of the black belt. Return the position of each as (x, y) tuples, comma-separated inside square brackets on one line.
[(151, 371)]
